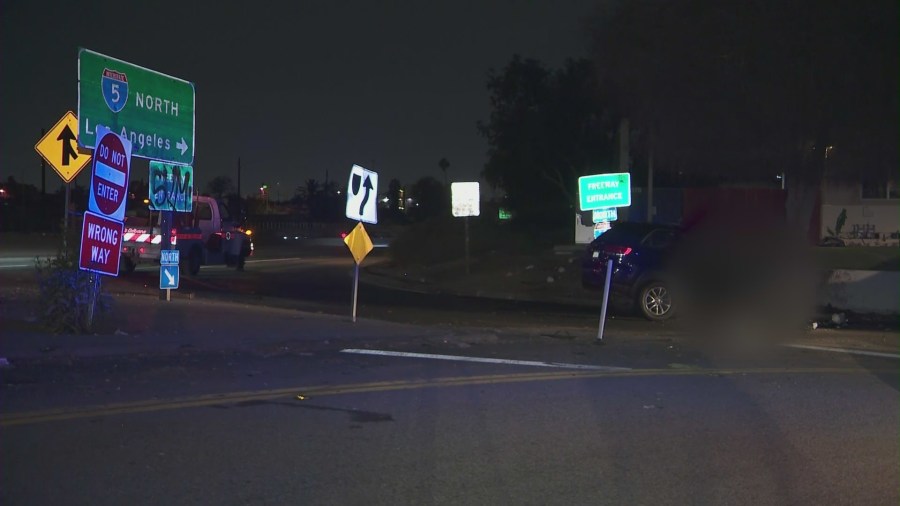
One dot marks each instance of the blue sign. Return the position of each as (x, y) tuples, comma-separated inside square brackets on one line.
[(601, 228), (114, 86), (608, 214), (168, 277), (169, 257), (171, 187)]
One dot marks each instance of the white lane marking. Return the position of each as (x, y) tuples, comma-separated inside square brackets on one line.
[(261, 260), (844, 350), (15, 266), (483, 360)]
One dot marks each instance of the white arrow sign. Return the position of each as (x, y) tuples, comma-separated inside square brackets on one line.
[(362, 195), (182, 146), (169, 277)]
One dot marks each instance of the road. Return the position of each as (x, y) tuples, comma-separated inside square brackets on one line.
[(522, 408), (338, 428)]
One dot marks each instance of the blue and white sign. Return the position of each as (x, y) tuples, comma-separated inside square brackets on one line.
[(168, 277), (171, 187), (601, 228), (608, 214), (114, 86), (169, 257)]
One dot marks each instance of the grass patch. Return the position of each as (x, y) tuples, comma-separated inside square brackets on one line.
[(442, 240), (866, 258)]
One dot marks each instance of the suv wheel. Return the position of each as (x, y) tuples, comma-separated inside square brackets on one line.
[(655, 301)]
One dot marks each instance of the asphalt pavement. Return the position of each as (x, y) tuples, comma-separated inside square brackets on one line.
[(329, 427), (256, 388)]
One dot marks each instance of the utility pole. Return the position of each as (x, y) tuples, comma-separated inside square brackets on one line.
[(624, 150)]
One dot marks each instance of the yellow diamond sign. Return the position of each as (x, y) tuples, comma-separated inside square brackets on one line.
[(359, 243), (60, 148)]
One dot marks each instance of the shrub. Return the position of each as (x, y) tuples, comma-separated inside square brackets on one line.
[(69, 300)]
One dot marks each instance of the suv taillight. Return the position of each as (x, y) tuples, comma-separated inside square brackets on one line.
[(617, 250)]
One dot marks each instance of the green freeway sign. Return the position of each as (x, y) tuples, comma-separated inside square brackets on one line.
[(604, 190), (152, 110)]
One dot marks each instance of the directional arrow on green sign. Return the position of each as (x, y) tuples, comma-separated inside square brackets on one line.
[(152, 110)]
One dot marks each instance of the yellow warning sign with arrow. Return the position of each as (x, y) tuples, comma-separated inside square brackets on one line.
[(359, 243), (60, 148)]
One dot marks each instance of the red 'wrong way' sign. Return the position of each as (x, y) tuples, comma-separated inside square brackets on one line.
[(101, 244)]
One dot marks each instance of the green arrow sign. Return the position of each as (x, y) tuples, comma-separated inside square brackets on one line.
[(153, 110), (604, 190)]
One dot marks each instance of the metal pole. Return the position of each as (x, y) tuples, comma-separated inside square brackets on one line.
[(43, 171), (609, 268), (467, 244), (95, 294), (165, 230), (66, 222), (355, 289)]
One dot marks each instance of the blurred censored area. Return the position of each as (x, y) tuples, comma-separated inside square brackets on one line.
[(744, 273)]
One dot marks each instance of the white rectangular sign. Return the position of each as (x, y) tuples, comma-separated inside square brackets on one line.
[(362, 195), (465, 199)]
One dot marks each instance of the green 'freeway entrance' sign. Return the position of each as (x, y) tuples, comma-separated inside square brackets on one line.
[(604, 190), (152, 110)]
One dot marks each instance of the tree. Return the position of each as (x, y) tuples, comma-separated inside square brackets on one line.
[(323, 201), (394, 194), (546, 129), (220, 186), (429, 199)]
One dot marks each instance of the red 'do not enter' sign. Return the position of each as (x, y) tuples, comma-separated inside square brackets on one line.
[(109, 177)]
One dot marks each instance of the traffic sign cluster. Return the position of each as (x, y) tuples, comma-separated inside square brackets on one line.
[(124, 109), (101, 231)]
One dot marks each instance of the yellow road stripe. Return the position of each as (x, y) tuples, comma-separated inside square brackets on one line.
[(74, 413)]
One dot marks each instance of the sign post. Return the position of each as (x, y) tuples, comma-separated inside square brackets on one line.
[(465, 201), (153, 110), (602, 194), (360, 245)]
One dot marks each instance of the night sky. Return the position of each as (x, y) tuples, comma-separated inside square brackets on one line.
[(293, 88)]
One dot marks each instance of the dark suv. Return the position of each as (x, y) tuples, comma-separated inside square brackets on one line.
[(641, 254)]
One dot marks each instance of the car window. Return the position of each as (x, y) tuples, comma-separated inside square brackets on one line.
[(659, 239), (204, 211), (223, 212)]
